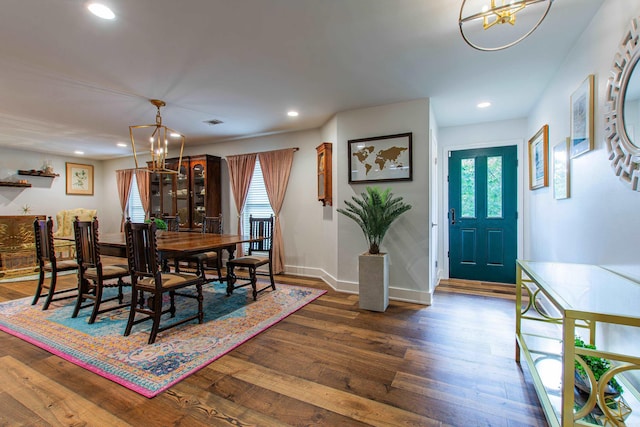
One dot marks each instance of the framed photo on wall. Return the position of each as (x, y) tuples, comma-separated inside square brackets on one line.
[(79, 179), (561, 180), (539, 159), (581, 138), (380, 158)]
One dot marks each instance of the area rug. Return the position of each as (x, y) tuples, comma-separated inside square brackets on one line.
[(177, 353)]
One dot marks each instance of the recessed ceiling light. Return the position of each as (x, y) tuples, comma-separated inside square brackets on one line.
[(101, 11), (292, 114), (79, 152), (121, 144), (484, 104)]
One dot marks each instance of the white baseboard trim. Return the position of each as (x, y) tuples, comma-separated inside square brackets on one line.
[(396, 294)]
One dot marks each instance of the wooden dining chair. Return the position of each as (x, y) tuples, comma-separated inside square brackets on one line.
[(149, 283), (259, 254), (210, 260), (172, 221), (93, 276), (48, 263)]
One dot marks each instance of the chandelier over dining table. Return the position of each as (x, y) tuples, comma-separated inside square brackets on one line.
[(160, 139)]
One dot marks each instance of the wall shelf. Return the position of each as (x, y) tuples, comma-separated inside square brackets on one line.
[(38, 173), (14, 184)]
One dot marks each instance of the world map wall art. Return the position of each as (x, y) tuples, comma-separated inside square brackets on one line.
[(380, 158)]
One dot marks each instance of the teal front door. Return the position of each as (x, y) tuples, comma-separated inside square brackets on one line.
[(483, 214)]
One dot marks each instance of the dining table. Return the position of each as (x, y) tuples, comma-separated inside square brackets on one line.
[(180, 244)]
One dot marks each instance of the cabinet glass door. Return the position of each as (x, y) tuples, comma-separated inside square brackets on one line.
[(182, 195), (199, 194), (156, 194)]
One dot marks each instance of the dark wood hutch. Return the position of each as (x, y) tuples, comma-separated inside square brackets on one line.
[(192, 193)]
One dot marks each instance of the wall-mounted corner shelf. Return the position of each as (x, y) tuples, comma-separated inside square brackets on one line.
[(14, 184), (38, 173)]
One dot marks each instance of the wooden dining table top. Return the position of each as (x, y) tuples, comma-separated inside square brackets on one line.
[(181, 242)]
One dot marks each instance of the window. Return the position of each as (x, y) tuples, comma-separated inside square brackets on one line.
[(134, 205), (257, 203)]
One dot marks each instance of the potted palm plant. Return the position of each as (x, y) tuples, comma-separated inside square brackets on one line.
[(374, 211)]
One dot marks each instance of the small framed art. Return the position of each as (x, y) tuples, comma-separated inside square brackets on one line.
[(381, 158), (561, 180), (581, 138), (79, 179), (539, 159)]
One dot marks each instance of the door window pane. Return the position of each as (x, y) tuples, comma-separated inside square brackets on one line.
[(468, 188), (494, 187)]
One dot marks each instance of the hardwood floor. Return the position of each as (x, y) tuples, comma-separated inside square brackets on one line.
[(329, 364)]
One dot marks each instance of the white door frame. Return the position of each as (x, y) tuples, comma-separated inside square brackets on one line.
[(444, 192)]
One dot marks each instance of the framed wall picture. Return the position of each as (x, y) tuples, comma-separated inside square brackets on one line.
[(581, 138), (79, 179), (380, 158), (561, 180), (539, 159)]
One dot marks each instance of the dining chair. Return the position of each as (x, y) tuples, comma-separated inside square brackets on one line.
[(149, 283), (259, 254), (93, 275), (211, 260), (172, 221), (48, 263)]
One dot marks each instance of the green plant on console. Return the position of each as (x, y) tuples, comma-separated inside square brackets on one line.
[(160, 224), (598, 365), (374, 212)]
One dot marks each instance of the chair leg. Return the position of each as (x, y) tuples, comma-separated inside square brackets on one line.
[(83, 288), (96, 304), (120, 292), (52, 289), (231, 279), (172, 298), (132, 312), (157, 312), (252, 276), (273, 283), (36, 297), (200, 307)]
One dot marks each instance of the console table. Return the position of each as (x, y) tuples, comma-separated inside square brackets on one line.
[(555, 302)]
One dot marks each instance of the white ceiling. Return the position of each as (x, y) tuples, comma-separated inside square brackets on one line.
[(70, 81)]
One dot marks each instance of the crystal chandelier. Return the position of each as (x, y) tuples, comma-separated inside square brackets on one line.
[(478, 16), (158, 137)]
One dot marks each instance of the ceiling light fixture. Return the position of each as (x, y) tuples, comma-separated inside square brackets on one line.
[(481, 23), (158, 136), (101, 11), (293, 114), (121, 144), (484, 104)]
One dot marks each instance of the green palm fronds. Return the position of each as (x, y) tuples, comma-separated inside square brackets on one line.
[(374, 212)]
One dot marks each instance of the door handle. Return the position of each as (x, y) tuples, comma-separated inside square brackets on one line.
[(452, 215)]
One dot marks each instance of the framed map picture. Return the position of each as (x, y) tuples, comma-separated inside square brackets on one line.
[(79, 179), (380, 158)]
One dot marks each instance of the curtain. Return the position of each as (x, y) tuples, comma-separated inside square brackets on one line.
[(240, 174), (142, 178), (276, 168), (123, 181)]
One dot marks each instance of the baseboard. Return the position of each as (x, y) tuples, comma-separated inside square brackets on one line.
[(396, 294)]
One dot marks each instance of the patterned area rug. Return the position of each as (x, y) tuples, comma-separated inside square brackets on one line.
[(177, 353)]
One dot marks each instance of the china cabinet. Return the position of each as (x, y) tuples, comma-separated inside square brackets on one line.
[(192, 193)]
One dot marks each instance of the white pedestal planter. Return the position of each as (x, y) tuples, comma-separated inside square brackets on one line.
[(373, 279)]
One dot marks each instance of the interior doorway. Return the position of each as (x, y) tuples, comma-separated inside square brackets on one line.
[(483, 214)]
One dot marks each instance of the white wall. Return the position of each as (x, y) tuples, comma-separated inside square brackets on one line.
[(46, 196), (407, 241), (598, 223)]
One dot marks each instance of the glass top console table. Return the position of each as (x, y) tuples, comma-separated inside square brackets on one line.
[(555, 302)]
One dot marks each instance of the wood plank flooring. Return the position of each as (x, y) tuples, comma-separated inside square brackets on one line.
[(328, 364)]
